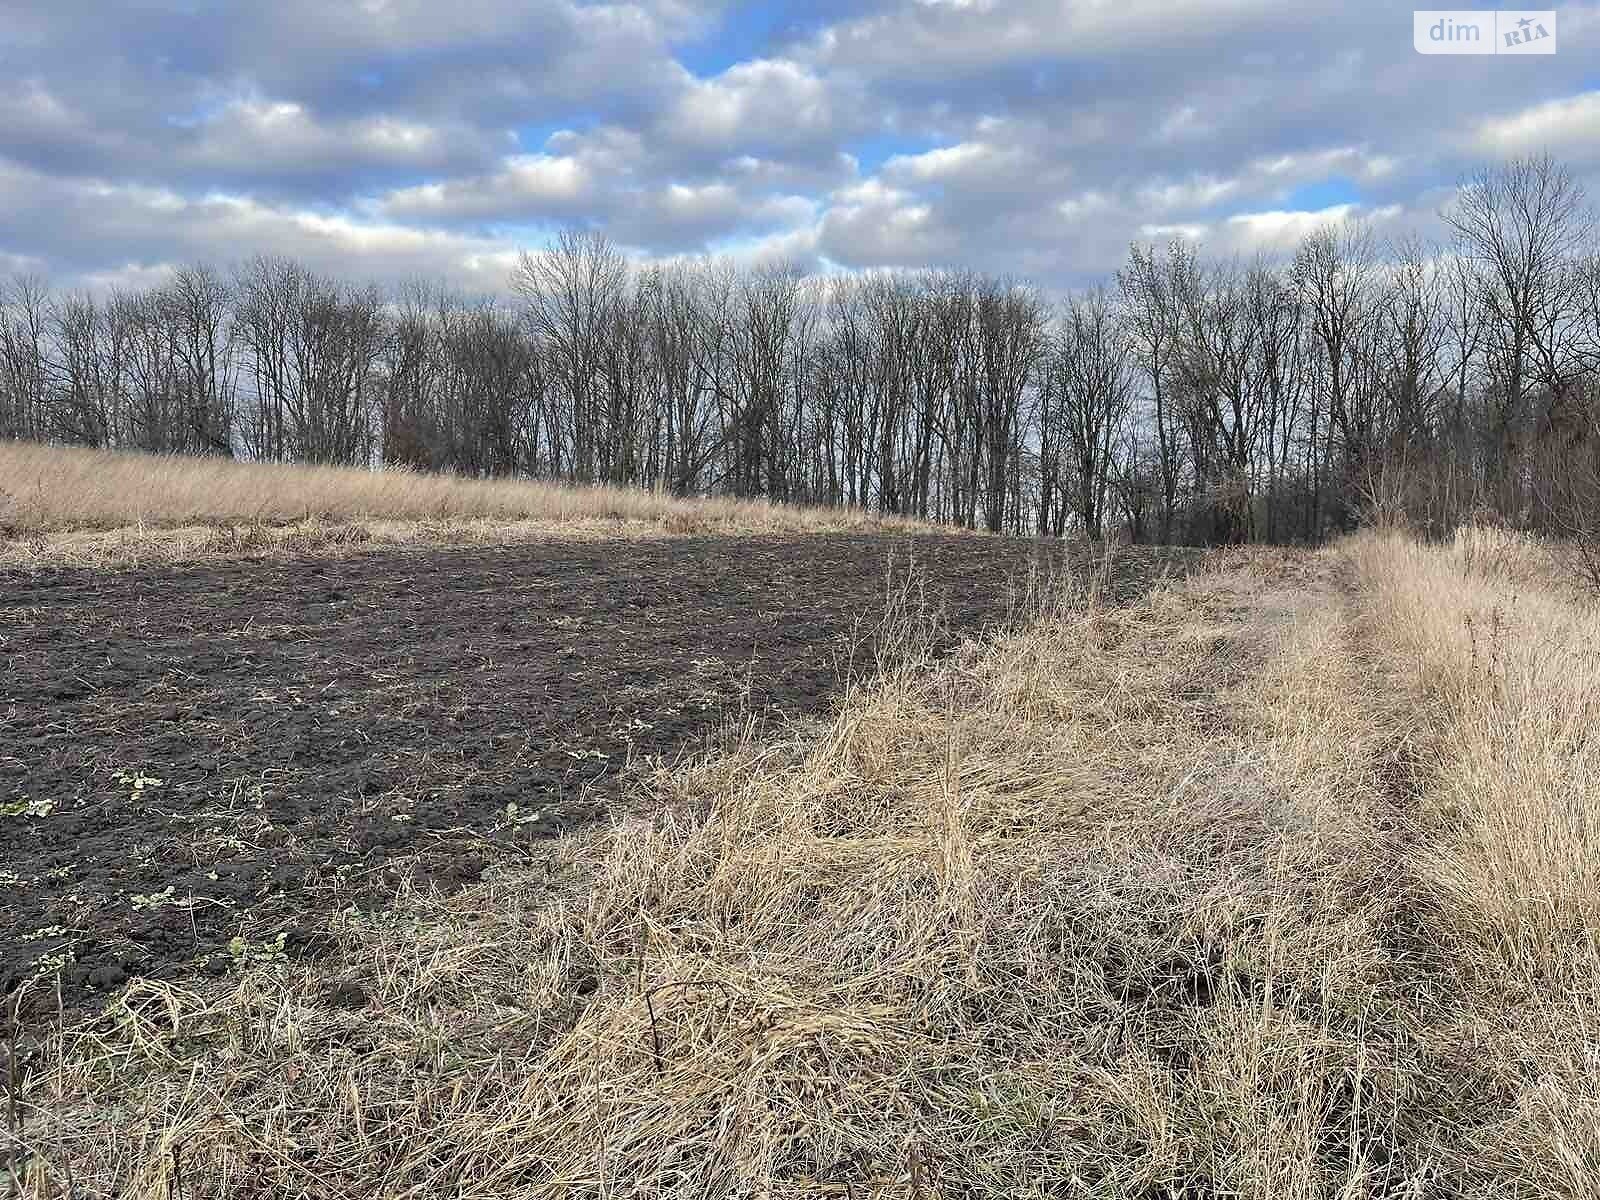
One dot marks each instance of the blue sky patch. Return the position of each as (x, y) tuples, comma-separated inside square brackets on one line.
[(871, 153), (746, 31), (531, 139), (1324, 193)]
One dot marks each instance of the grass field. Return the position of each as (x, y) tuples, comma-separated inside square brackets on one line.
[(63, 504), (1281, 881)]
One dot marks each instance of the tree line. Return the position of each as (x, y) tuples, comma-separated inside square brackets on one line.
[(1188, 398)]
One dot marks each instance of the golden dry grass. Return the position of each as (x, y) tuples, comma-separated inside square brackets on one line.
[(64, 504), (1278, 883), (1504, 667)]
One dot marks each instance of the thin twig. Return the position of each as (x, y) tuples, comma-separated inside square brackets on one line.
[(649, 1004)]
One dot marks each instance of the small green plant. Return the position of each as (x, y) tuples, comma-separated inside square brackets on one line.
[(23, 807), (268, 953), (53, 961), (137, 782), (154, 899)]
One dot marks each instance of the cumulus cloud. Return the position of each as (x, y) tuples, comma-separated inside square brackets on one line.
[(1569, 127), (382, 138), (276, 142), (755, 104), (1196, 192), (977, 164), (533, 187), (91, 231)]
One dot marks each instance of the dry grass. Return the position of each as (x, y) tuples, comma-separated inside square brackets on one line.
[(1505, 667), (60, 504), (1266, 886), (1510, 674)]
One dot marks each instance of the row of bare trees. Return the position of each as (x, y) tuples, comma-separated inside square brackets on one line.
[(153, 370), (1189, 399)]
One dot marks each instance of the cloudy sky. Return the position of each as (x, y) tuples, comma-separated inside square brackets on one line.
[(386, 138)]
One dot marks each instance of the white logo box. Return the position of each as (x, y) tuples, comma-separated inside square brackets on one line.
[(1484, 31)]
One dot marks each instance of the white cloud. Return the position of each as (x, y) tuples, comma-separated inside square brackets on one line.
[(257, 135), (119, 231), (1279, 231), (1200, 191), (1569, 127), (1164, 233), (927, 39), (1088, 204), (389, 136), (874, 225), (966, 163), (767, 102), (525, 186), (1183, 123), (1300, 166), (20, 264)]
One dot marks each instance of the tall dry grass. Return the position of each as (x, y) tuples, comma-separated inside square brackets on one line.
[(73, 502), (1503, 661), (1507, 671), (1265, 886)]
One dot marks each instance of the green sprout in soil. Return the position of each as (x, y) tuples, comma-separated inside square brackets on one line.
[(23, 807), (247, 954), (137, 783), (154, 899)]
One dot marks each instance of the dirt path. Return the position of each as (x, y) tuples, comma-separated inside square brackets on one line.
[(191, 754)]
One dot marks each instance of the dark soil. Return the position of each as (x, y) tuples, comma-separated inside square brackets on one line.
[(191, 754)]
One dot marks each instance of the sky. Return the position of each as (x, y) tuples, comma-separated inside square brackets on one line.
[(381, 140)]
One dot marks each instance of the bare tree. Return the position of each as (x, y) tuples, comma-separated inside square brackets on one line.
[(573, 290), (771, 331), (1010, 321), (1335, 272), (313, 346), (1090, 373), (24, 358), (90, 342), (195, 306), (1150, 288), (1523, 224)]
